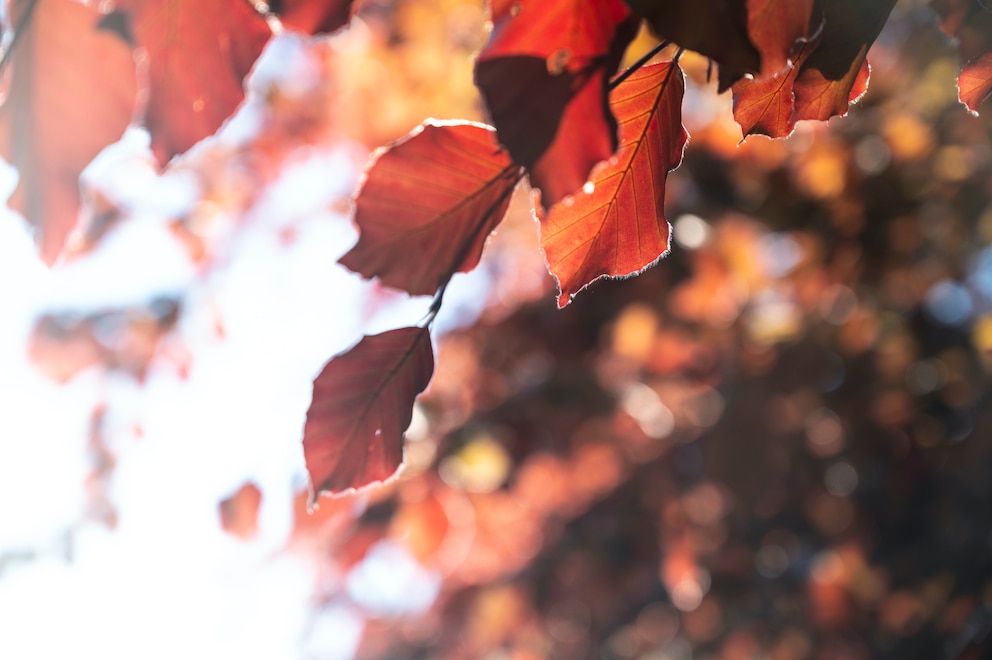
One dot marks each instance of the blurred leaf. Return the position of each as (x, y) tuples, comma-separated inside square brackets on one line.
[(313, 16), (198, 56), (73, 92)]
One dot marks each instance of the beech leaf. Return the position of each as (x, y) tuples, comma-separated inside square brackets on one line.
[(362, 404), (543, 78), (779, 29), (717, 29), (975, 81), (72, 92), (970, 23), (829, 73), (427, 204), (616, 226), (198, 56), (836, 73)]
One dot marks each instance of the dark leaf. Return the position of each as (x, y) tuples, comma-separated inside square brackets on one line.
[(362, 404), (717, 29), (313, 16), (543, 78)]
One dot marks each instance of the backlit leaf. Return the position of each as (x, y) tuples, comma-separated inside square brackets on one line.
[(313, 16), (618, 228), (198, 56), (970, 23), (73, 91), (362, 404), (767, 106), (829, 73), (779, 29), (427, 204), (836, 72), (543, 78), (717, 29), (975, 81)]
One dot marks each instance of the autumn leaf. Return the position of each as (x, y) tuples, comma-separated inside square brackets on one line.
[(73, 91), (717, 29), (970, 23), (616, 226), (543, 78), (767, 106), (829, 73), (975, 81), (779, 29), (198, 56), (427, 204), (362, 404), (836, 72), (313, 16)]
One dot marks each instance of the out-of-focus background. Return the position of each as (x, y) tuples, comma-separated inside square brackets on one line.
[(775, 444)]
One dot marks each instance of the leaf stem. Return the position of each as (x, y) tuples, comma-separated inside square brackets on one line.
[(518, 174), (638, 64)]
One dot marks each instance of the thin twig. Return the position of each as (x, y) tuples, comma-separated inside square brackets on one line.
[(463, 252), (638, 64)]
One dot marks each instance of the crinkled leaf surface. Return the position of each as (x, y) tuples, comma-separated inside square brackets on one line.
[(619, 227), (73, 91), (313, 16), (829, 73), (362, 404), (198, 56), (543, 77), (717, 29), (427, 204)]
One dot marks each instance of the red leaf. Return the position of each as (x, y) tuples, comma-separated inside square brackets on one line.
[(73, 91), (239, 512), (362, 404), (836, 72), (818, 97), (829, 73), (543, 78), (619, 228), (970, 23), (198, 56), (427, 204), (313, 16), (717, 29), (779, 29), (767, 106), (975, 81)]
